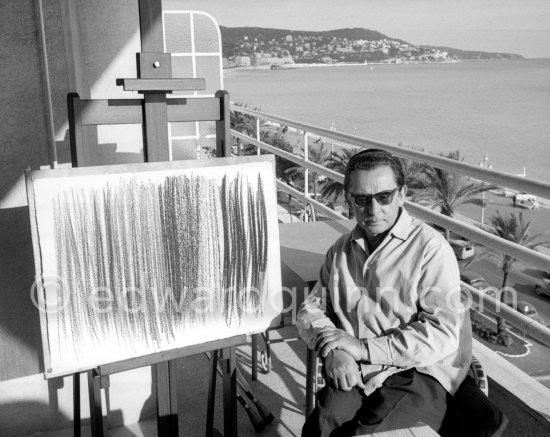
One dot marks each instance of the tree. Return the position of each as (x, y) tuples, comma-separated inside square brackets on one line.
[(337, 162), (515, 229), (441, 189), (275, 139), (317, 155), (243, 122), (413, 171), (279, 140)]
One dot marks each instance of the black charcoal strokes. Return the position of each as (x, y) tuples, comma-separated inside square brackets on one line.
[(149, 260)]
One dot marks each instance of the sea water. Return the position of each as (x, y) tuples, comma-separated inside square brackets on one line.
[(498, 108)]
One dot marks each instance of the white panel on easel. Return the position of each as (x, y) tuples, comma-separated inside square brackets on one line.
[(193, 39), (143, 258)]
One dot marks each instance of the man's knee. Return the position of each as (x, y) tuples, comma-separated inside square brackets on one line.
[(333, 409)]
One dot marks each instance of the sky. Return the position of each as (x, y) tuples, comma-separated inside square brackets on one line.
[(513, 26)]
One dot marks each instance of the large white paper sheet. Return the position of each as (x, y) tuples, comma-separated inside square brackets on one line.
[(140, 261)]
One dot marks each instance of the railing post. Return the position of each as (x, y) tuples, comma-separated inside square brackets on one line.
[(306, 172), (258, 134)]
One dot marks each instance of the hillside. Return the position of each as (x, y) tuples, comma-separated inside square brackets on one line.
[(232, 35), (473, 54), (339, 45)]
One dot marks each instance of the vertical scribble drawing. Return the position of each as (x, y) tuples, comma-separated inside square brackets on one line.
[(156, 261)]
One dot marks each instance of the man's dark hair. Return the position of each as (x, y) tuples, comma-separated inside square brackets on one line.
[(373, 158)]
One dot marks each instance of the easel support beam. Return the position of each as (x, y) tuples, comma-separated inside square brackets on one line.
[(229, 373)]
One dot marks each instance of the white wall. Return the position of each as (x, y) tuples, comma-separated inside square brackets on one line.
[(89, 44)]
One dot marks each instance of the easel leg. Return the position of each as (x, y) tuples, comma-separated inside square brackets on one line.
[(211, 395), (76, 405), (96, 411), (310, 374), (229, 370), (267, 350), (167, 418), (255, 357)]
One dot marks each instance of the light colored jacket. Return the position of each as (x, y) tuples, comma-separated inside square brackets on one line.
[(403, 300)]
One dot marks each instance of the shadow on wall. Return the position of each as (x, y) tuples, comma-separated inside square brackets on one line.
[(23, 141), (109, 153), (102, 47), (20, 342)]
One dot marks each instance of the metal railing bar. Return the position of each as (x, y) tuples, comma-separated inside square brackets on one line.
[(530, 256), (323, 209), (291, 157), (494, 177), (520, 321), (427, 215)]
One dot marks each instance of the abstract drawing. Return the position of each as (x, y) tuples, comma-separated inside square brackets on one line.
[(151, 257)]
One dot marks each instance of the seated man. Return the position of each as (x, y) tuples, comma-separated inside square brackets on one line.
[(385, 314)]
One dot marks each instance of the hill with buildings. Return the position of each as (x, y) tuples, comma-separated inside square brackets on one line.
[(246, 46)]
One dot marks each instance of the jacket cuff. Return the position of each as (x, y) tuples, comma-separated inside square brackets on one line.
[(379, 350)]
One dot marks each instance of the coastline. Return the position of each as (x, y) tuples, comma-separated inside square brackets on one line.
[(298, 65), (337, 64)]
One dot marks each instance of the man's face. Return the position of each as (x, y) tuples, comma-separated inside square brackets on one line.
[(375, 218)]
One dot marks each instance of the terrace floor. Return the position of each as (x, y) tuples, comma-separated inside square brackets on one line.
[(282, 390)]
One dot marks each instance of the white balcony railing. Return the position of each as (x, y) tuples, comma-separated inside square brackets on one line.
[(501, 179)]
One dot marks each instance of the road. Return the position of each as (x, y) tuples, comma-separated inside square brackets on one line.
[(540, 219), (522, 278), (535, 363), (523, 283)]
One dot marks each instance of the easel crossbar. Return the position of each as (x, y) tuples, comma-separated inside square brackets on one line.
[(160, 357), (163, 85), (130, 111)]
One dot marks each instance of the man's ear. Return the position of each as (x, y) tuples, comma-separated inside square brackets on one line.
[(403, 192)]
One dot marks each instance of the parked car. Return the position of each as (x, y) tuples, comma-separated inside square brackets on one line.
[(477, 281), (525, 308), (543, 286), (526, 201), (463, 249)]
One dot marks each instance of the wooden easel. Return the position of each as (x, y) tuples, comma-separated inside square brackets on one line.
[(154, 112)]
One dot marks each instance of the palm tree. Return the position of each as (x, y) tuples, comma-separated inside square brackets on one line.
[(278, 139), (515, 229), (412, 170), (338, 163), (317, 155), (243, 122), (441, 189)]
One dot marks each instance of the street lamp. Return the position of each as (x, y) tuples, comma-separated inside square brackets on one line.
[(484, 164)]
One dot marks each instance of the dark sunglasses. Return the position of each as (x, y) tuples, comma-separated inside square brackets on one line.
[(383, 197)]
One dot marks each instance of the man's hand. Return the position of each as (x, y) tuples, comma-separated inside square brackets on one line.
[(333, 338), (342, 371)]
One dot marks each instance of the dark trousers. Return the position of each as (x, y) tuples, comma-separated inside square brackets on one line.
[(405, 399)]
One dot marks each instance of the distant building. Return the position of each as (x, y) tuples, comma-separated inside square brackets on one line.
[(347, 49), (289, 38), (242, 61)]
